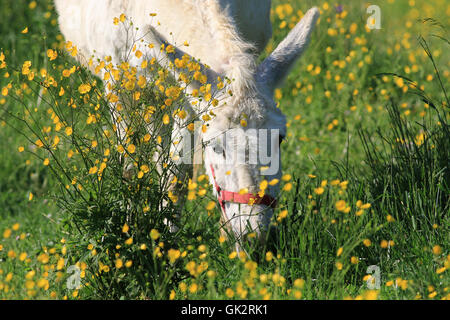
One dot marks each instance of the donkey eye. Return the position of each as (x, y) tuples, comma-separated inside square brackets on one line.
[(218, 149)]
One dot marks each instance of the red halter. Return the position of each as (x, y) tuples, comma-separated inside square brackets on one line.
[(236, 197)]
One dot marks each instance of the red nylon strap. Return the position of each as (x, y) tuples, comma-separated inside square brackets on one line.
[(236, 197)]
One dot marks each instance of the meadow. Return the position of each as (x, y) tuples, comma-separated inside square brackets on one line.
[(365, 202)]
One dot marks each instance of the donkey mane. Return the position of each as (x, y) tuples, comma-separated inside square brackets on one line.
[(240, 59)]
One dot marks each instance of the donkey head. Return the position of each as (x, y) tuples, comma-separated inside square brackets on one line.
[(242, 153)]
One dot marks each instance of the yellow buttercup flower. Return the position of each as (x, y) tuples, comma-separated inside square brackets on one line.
[(68, 131), (173, 255), (154, 234), (119, 263), (166, 119), (437, 250), (52, 54), (7, 233), (84, 88), (319, 190), (131, 148), (211, 205)]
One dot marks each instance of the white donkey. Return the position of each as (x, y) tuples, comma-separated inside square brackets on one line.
[(227, 36)]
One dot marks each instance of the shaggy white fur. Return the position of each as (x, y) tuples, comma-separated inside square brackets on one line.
[(227, 36)]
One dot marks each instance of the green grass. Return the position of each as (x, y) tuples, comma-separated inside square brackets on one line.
[(347, 121)]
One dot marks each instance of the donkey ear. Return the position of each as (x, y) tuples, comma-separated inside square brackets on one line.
[(275, 68)]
